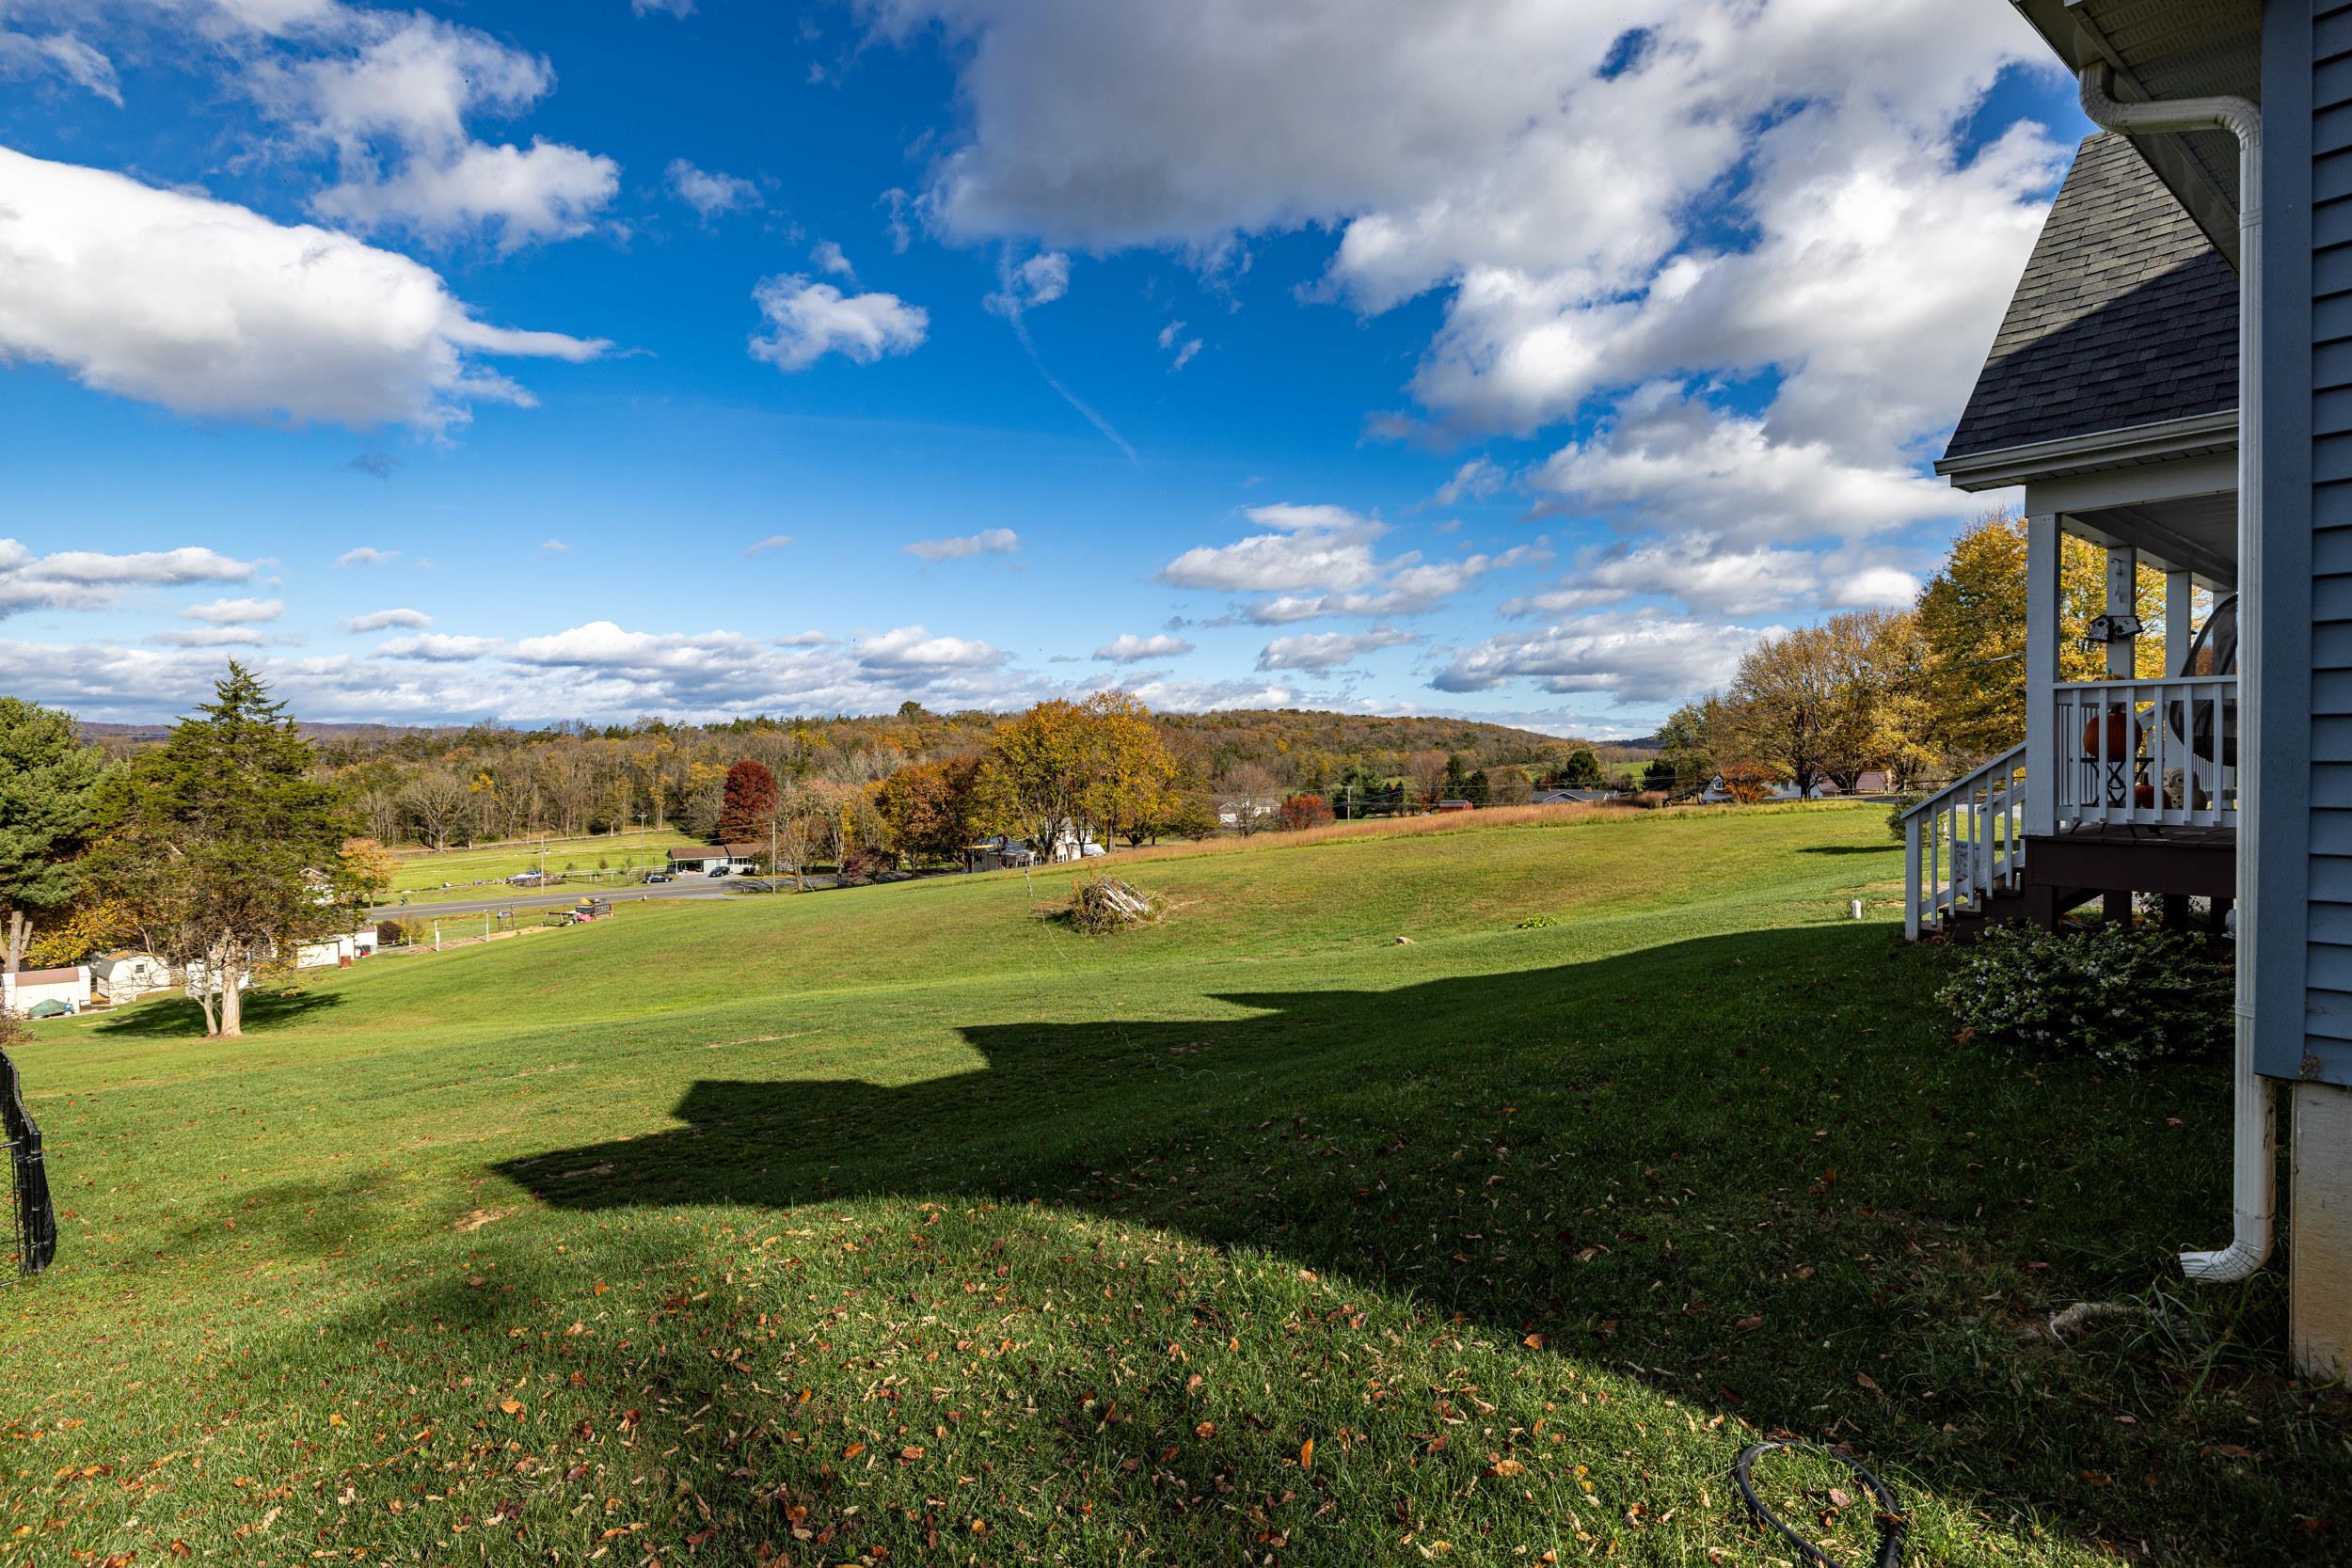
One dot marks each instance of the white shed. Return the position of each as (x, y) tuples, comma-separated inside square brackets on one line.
[(331, 952), (28, 989), (124, 975)]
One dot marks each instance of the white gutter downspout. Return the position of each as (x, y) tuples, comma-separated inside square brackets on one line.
[(2255, 1159)]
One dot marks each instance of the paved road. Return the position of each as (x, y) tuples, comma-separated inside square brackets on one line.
[(464, 901), (428, 905)]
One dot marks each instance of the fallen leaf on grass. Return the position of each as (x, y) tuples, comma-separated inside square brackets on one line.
[(1307, 1454), (1867, 1381)]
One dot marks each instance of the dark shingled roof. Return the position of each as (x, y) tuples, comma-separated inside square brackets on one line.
[(2127, 316)]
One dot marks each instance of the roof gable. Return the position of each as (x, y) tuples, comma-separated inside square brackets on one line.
[(2125, 316)]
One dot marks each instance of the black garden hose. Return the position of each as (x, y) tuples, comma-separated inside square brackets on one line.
[(1892, 1524)]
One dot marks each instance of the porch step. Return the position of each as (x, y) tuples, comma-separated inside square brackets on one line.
[(2002, 909)]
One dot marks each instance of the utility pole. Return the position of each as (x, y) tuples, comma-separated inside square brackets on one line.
[(771, 852)]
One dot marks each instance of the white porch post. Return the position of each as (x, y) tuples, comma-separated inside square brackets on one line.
[(2180, 618), (2041, 668), (2122, 599)]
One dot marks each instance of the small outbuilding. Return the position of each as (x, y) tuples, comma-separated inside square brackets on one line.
[(127, 973), (337, 950), (45, 991)]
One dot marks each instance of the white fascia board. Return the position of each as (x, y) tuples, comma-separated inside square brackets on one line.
[(2192, 437)]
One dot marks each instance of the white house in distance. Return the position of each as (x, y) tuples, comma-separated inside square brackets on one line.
[(1004, 851), (27, 990), (336, 951), (1717, 792), (703, 859), (1233, 809)]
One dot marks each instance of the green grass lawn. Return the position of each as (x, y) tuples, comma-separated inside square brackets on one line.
[(417, 870), (898, 1225)]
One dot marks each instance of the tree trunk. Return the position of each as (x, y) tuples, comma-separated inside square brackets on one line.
[(19, 937), (231, 1001), (204, 1003)]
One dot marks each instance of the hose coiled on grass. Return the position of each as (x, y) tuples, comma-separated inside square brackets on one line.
[(1892, 1523)]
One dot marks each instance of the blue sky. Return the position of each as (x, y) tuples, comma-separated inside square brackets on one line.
[(701, 357)]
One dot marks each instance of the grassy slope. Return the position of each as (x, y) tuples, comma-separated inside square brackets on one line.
[(416, 870), (895, 1218)]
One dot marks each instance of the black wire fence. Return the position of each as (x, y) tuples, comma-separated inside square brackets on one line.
[(34, 1243)]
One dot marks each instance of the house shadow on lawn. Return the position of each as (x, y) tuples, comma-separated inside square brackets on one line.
[(180, 1018), (1744, 1169)]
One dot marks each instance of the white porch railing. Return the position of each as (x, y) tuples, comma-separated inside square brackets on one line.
[(2147, 754), (1964, 844)]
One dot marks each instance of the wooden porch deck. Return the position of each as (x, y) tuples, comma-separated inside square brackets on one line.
[(2069, 868)]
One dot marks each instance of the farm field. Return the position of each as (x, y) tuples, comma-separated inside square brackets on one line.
[(417, 870), (899, 1225)]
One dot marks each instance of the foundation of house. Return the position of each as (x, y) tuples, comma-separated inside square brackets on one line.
[(2319, 1231)]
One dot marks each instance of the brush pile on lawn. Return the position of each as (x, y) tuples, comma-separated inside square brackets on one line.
[(1100, 905)]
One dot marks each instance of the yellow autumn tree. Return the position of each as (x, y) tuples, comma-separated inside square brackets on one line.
[(1971, 619)]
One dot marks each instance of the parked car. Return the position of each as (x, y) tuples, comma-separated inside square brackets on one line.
[(526, 879), (652, 876), (718, 871)]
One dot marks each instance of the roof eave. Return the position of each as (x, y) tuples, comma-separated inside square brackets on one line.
[(2192, 436)]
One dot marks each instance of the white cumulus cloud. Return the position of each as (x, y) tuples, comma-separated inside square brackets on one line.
[(1040, 280), (1631, 655), (65, 54), (392, 93), (388, 620), (711, 193), (1320, 561), (95, 579), (1328, 650), (808, 321), (1128, 648), (913, 648), (222, 613), (995, 541), (209, 309)]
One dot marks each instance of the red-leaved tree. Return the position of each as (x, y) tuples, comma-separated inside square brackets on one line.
[(1305, 811), (749, 803)]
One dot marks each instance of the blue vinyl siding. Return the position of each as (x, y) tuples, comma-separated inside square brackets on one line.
[(2302, 866)]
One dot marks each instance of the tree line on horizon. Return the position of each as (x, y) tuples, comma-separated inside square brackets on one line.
[(447, 787)]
